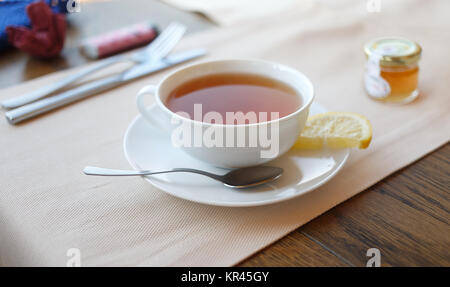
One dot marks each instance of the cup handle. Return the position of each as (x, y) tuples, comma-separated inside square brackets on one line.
[(142, 107)]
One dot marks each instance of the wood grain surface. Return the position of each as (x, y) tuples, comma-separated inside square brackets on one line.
[(405, 216)]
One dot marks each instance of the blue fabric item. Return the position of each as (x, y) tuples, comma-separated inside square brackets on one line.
[(13, 13)]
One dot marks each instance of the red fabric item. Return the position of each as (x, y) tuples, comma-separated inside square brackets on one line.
[(46, 37)]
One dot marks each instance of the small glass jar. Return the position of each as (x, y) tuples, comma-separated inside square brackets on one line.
[(392, 70)]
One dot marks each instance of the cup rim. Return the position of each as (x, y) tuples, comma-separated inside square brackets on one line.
[(279, 66)]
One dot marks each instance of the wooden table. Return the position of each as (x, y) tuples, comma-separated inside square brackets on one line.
[(405, 216)]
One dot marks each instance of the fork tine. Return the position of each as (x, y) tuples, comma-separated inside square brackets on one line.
[(162, 38), (170, 42), (159, 40), (174, 35)]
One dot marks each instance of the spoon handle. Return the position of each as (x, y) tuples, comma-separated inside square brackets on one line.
[(92, 170)]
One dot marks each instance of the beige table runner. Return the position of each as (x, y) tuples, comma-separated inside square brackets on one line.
[(47, 206), (232, 12)]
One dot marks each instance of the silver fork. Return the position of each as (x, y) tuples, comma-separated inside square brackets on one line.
[(155, 51)]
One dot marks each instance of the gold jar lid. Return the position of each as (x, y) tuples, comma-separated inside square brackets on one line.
[(394, 51)]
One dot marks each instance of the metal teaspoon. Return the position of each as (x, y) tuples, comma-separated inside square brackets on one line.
[(238, 178)]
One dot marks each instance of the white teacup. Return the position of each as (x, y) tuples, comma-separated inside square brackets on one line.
[(230, 153)]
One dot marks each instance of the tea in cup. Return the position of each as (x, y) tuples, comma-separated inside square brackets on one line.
[(231, 113)]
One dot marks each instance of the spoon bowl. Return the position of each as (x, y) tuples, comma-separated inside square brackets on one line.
[(251, 176)]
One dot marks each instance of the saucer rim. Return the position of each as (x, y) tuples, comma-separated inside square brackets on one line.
[(135, 166)]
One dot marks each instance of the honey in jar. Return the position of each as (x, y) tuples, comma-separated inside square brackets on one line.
[(392, 69)]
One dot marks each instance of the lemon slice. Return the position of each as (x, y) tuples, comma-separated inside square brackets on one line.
[(335, 130)]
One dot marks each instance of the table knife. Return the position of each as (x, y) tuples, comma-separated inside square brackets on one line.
[(36, 108)]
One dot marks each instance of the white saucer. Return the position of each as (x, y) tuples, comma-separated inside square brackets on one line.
[(146, 148)]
